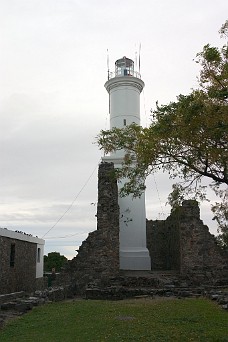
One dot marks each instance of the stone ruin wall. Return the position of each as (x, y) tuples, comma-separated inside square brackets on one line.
[(201, 257), (98, 256), (183, 243)]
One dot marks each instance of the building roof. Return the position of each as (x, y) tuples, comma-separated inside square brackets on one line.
[(18, 235)]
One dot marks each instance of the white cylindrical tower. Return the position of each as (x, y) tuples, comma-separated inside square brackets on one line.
[(124, 87)]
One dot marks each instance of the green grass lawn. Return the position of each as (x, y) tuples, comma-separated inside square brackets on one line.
[(128, 320)]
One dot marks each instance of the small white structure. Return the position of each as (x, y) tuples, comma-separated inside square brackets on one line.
[(15, 236), (124, 87)]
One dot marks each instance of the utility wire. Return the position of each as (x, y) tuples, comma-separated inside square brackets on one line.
[(70, 206), (63, 237), (158, 195)]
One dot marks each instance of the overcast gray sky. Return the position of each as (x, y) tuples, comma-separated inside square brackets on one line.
[(53, 66)]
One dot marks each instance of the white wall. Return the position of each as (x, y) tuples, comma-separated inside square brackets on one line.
[(40, 261)]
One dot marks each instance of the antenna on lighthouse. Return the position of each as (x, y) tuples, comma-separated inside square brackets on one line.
[(136, 58), (108, 63), (139, 57), (108, 80)]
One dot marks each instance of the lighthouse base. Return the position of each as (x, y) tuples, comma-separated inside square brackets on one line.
[(135, 259)]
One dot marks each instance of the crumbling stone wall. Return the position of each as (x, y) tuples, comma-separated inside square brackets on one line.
[(183, 243), (201, 259), (98, 256), (22, 274)]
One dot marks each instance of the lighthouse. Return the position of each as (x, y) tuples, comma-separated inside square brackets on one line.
[(124, 86)]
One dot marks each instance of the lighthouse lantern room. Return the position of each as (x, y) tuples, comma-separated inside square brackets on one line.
[(124, 67)]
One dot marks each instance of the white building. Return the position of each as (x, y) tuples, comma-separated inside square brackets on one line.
[(124, 87), (21, 261)]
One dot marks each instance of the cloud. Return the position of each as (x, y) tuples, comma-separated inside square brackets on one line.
[(53, 66)]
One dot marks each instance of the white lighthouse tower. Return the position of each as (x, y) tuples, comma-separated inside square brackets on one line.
[(124, 87)]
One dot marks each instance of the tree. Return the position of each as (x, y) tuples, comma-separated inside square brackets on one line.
[(54, 260), (187, 138)]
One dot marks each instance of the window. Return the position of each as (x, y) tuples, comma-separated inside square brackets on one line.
[(38, 254), (125, 122), (12, 255)]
